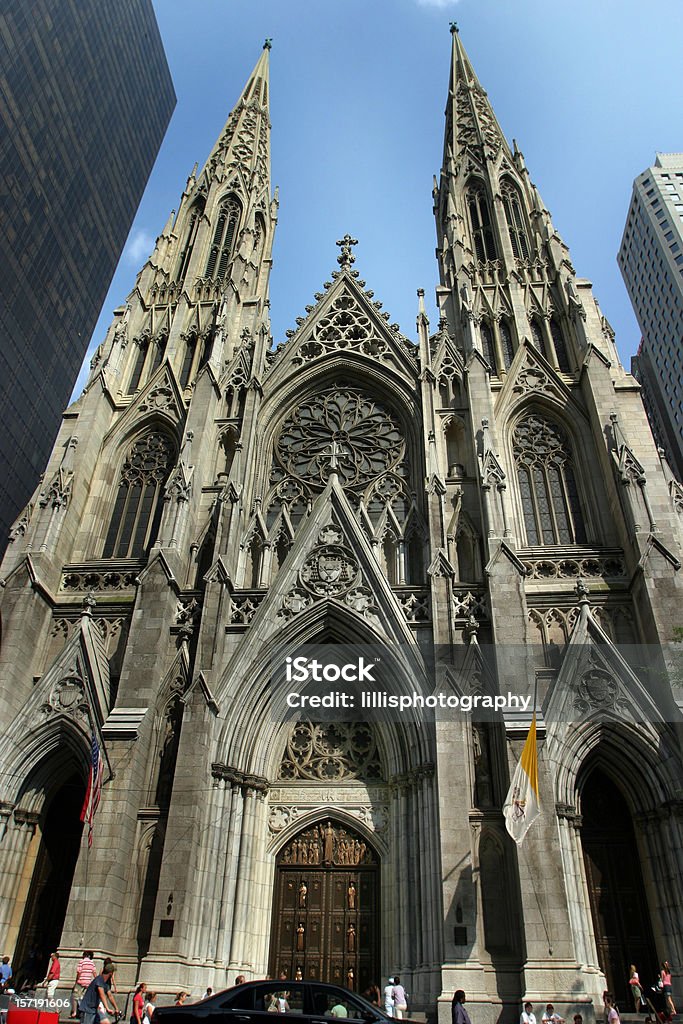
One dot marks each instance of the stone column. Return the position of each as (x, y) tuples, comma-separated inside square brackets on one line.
[(19, 834)]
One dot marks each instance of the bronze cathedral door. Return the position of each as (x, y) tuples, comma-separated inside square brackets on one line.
[(326, 908)]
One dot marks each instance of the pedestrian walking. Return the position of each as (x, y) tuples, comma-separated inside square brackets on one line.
[(636, 987), (389, 998), (459, 1014), (52, 977), (400, 999), (85, 972), (150, 1007), (5, 973), (97, 992), (611, 1010), (665, 978), (138, 1004)]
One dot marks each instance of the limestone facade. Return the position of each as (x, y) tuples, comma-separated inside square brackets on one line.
[(212, 500)]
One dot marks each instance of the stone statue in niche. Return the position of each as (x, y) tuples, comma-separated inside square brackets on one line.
[(483, 785)]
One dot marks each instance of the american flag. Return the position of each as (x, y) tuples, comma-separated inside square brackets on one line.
[(94, 790)]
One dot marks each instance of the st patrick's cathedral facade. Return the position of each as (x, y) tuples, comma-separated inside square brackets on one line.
[(489, 488)]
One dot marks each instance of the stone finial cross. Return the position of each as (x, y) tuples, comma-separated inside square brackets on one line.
[(454, 27), (346, 257), (334, 452)]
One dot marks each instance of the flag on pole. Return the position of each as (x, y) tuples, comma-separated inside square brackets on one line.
[(94, 790), (522, 807)]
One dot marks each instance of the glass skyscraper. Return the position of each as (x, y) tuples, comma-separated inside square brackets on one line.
[(85, 99)]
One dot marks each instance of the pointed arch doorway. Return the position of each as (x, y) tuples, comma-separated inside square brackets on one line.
[(326, 907), (56, 851), (621, 918)]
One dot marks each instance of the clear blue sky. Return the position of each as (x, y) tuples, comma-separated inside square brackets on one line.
[(590, 90)]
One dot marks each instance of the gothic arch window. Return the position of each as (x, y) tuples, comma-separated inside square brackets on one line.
[(141, 345), (514, 216), (488, 347), (190, 239), (537, 339), (560, 345), (480, 223), (506, 343), (188, 359), (547, 484), (223, 238), (139, 501)]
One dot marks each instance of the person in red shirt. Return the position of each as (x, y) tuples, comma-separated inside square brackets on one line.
[(52, 979), (138, 1003)]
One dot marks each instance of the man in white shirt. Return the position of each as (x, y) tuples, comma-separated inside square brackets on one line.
[(389, 998), (550, 1017), (528, 1015)]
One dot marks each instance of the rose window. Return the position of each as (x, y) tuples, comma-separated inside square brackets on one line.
[(339, 429)]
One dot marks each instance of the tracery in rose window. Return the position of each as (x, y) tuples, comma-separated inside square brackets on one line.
[(331, 752), (343, 429)]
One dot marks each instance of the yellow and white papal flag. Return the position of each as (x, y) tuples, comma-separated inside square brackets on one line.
[(522, 807)]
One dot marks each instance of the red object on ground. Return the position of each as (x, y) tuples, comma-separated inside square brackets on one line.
[(18, 1015)]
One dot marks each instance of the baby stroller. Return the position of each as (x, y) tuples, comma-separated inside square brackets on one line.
[(656, 1003)]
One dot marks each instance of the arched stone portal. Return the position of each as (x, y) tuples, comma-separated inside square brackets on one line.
[(621, 918), (55, 848), (326, 907)]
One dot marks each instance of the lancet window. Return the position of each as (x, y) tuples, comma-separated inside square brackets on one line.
[(560, 345), (188, 359), (515, 222), (223, 238), (488, 347), (547, 484), (141, 346), (506, 343), (139, 501), (537, 339), (480, 224), (190, 239)]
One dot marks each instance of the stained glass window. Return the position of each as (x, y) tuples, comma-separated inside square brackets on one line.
[(480, 222), (223, 238), (138, 506), (515, 222), (537, 339), (343, 426), (506, 343), (560, 346), (489, 351), (547, 485)]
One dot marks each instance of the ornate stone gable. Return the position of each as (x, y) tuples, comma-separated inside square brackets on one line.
[(532, 376), (160, 398), (346, 320), (74, 689), (595, 682)]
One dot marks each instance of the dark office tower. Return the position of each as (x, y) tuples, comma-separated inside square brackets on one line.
[(85, 99)]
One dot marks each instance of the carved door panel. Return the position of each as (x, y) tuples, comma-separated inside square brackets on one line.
[(325, 915)]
